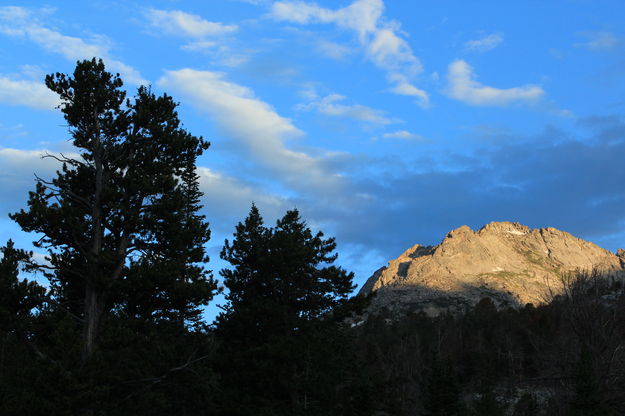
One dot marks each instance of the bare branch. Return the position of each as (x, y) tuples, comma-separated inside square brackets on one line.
[(156, 380)]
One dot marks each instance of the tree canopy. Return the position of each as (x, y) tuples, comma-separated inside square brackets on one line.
[(18, 297), (120, 221), (277, 330), (282, 276)]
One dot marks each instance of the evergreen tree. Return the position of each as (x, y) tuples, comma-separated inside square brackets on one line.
[(121, 226), (18, 298), (24, 368), (276, 329), (282, 277)]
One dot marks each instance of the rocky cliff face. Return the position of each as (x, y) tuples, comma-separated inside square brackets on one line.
[(508, 262)]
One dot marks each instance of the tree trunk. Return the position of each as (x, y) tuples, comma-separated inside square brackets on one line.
[(94, 307), (94, 296)]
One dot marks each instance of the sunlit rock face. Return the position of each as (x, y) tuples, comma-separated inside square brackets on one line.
[(508, 262)]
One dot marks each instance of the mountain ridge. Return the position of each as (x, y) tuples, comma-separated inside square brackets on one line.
[(506, 261)]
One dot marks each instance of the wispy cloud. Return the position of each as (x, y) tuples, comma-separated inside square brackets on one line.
[(205, 36), (361, 16), (403, 135), (17, 169), (463, 87), (484, 44), (179, 23), (389, 51), (332, 49), (228, 197), (600, 41), (403, 86), (254, 124), (23, 23), (27, 93), (381, 40), (200, 45), (331, 105)]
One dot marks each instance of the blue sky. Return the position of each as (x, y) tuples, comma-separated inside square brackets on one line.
[(384, 123)]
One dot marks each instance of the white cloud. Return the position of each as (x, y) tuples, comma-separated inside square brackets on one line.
[(219, 53), (463, 87), (485, 43), (200, 45), (17, 170), (330, 105), (564, 113), (223, 194), (20, 22), (33, 72), (203, 33), (16, 161), (404, 87), (361, 16), (600, 41), (332, 49), (176, 22), (402, 134), (27, 93), (12, 131), (308, 91), (389, 51), (251, 122), (381, 40)]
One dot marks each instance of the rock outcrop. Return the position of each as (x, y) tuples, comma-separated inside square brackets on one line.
[(508, 262)]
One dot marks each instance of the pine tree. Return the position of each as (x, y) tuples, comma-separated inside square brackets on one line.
[(282, 277), (21, 360), (275, 329), (121, 227), (18, 297)]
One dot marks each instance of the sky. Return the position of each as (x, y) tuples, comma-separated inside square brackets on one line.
[(386, 123)]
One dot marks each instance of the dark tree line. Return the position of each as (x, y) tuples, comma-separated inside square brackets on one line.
[(566, 357), (118, 329)]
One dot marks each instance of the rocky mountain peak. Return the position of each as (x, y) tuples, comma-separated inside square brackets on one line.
[(506, 261)]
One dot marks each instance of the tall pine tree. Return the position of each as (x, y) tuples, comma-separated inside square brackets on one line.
[(282, 277), (276, 330), (120, 220)]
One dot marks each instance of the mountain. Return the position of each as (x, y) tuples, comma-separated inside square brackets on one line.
[(508, 262)]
